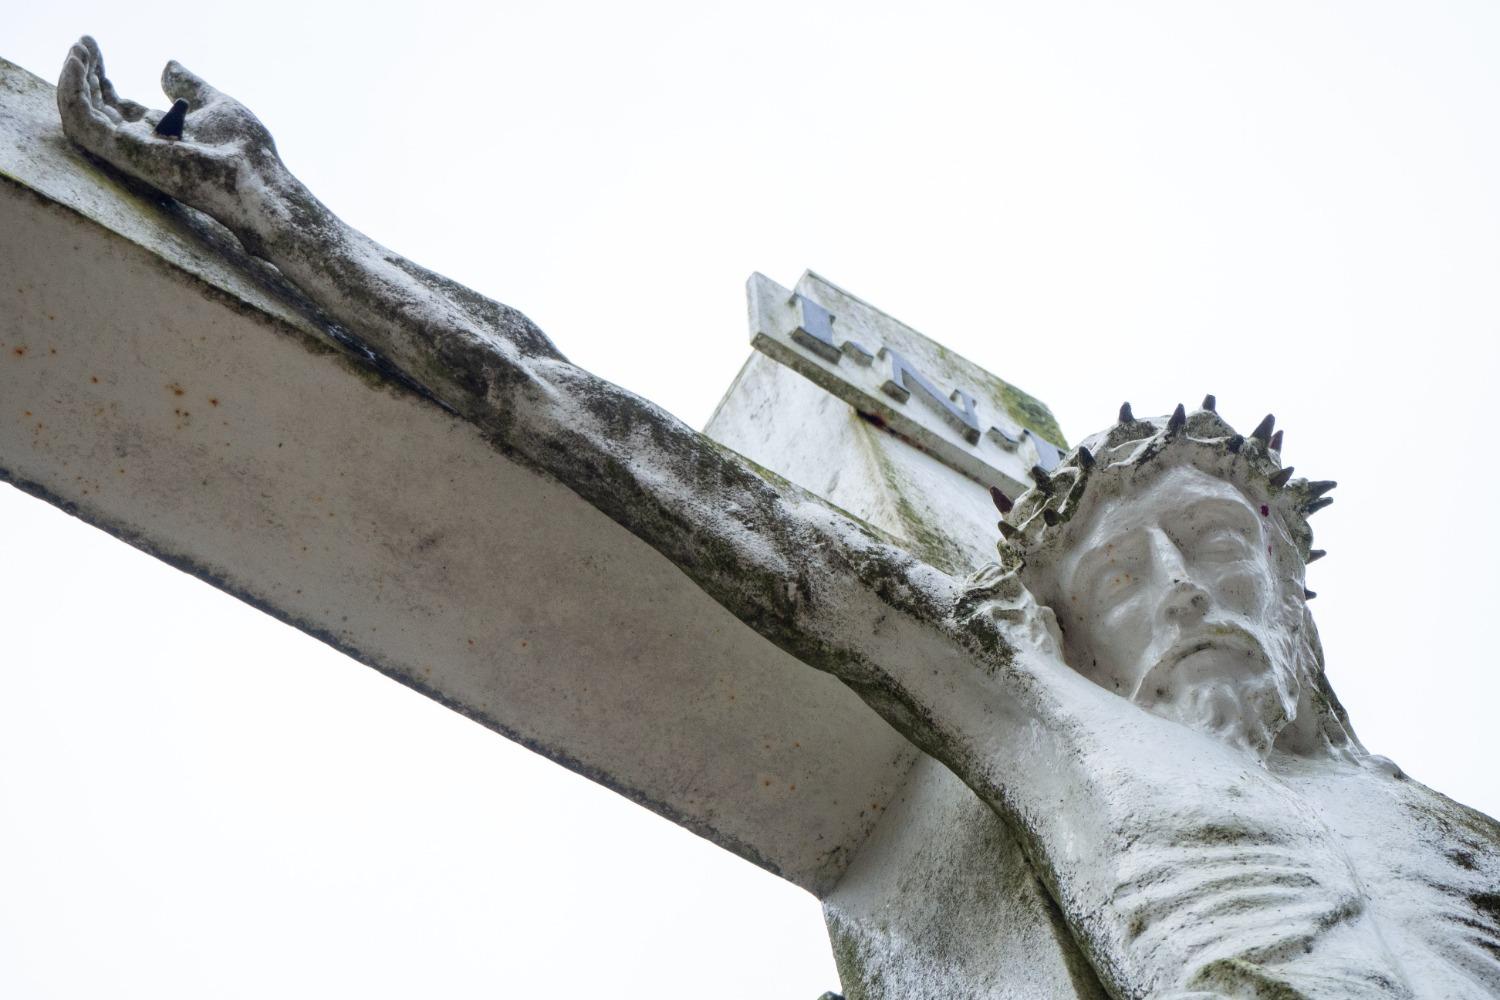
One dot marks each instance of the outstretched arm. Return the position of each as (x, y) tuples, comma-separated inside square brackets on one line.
[(787, 564), (819, 584)]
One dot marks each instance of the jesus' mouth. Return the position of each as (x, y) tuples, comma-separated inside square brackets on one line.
[(1214, 653)]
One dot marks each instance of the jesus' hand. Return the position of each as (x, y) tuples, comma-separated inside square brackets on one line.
[(217, 161)]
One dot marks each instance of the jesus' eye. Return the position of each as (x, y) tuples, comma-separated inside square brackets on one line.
[(1114, 583), (1222, 545), (1114, 570)]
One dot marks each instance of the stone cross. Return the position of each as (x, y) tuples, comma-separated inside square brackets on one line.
[(1160, 792), (526, 613)]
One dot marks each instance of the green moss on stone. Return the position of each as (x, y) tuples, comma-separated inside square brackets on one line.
[(1029, 412), (928, 543), (918, 535)]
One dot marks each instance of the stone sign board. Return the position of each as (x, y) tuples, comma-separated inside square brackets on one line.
[(943, 403)]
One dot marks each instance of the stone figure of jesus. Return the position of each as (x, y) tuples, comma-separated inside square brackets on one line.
[(1136, 687)]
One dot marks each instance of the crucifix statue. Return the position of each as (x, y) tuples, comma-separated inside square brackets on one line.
[(1135, 687)]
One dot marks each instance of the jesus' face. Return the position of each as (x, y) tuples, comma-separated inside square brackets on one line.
[(1174, 598)]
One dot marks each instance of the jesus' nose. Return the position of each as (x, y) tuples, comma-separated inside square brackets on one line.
[(1182, 597)]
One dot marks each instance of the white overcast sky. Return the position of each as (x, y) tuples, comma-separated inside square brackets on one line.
[(1294, 205)]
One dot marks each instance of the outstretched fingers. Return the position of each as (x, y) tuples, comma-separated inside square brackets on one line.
[(182, 84), (118, 132), (198, 167), (95, 54), (117, 108), (79, 102), (127, 109)]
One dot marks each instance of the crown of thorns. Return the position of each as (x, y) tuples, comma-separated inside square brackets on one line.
[(1203, 439)]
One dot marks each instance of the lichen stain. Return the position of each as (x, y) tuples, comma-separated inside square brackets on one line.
[(1487, 903)]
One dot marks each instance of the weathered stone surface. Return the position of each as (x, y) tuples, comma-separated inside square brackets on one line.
[(161, 385), (1136, 689), (940, 900), (934, 399)]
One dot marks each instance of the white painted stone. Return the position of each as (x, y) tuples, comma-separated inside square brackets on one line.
[(1195, 802), (162, 386), (940, 901)]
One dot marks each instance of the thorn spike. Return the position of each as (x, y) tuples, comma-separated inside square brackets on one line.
[(1003, 503), (1085, 458), (1042, 480), (1010, 531), (1313, 506), (170, 126), (1276, 441), (1210, 403), (1235, 444), (1279, 479), (1308, 595), (1315, 555), (1262, 432), (1050, 516), (1126, 417), (1177, 420), (1318, 487)]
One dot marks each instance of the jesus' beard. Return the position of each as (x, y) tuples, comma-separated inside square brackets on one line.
[(1229, 691)]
